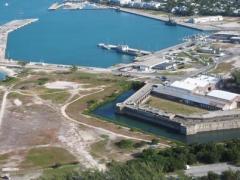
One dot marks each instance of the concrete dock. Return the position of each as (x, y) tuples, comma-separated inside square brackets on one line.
[(8, 28), (56, 6), (165, 19)]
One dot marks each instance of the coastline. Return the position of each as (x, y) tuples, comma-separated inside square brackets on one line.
[(155, 17), (9, 72)]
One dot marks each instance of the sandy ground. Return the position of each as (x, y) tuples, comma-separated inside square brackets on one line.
[(63, 85), (78, 141), (25, 126)]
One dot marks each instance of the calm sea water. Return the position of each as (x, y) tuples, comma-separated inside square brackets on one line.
[(107, 112), (71, 37)]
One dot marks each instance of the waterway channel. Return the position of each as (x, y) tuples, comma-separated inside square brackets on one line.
[(107, 112)]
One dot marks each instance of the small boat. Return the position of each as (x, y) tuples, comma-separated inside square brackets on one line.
[(6, 4), (118, 9), (171, 21)]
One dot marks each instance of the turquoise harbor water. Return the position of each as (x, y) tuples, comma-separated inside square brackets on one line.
[(107, 112), (71, 37), (2, 76)]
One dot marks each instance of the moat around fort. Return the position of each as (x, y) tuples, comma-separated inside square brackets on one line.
[(107, 112)]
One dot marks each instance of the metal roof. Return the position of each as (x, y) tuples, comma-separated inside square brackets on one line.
[(223, 95), (184, 85)]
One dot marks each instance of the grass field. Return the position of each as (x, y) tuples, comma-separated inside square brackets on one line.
[(173, 107), (98, 149), (56, 96), (47, 157), (60, 173), (4, 158), (224, 67)]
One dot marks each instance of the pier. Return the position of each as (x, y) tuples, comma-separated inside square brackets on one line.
[(8, 28), (124, 49), (55, 6), (77, 5)]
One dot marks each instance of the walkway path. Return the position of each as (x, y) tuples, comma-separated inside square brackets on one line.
[(204, 169), (3, 105), (63, 111)]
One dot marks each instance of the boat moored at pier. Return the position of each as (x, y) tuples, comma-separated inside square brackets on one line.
[(125, 49)]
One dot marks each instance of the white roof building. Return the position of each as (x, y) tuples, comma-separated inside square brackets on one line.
[(205, 19), (184, 85), (216, 99), (121, 2), (199, 84), (228, 96)]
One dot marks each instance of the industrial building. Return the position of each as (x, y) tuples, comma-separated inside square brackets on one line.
[(205, 19), (200, 85), (227, 36), (200, 91)]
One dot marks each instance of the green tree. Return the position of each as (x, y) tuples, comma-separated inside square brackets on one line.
[(236, 76), (73, 68)]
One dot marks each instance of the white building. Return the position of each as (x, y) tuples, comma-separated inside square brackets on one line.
[(215, 100), (205, 19), (232, 99), (201, 84), (121, 2)]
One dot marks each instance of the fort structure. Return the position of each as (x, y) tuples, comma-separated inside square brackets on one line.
[(222, 106)]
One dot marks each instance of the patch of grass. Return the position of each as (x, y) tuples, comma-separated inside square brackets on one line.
[(47, 157), (104, 136), (42, 81), (9, 81), (58, 97), (59, 173), (224, 67), (3, 158), (98, 149), (125, 144), (173, 107)]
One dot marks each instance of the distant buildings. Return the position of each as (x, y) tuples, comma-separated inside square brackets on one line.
[(205, 19), (120, 2), (227, 36)]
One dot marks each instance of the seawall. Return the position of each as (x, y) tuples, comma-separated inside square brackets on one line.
[(8, 28), (183, 125), (147, 15)]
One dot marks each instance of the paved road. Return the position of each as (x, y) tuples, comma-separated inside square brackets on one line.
[(203, 170)]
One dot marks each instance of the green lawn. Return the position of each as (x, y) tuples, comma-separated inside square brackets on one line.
[(47, 157), (173, 107)]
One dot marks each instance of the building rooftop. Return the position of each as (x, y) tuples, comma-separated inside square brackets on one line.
[(223, 95), (193, 83), (202, 80), (184, 85), (235, 33)]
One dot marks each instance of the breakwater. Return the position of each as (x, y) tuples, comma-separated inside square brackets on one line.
[(8, 28), (166, 19)]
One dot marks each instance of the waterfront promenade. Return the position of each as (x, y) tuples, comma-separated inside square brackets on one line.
[(8, 28)]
